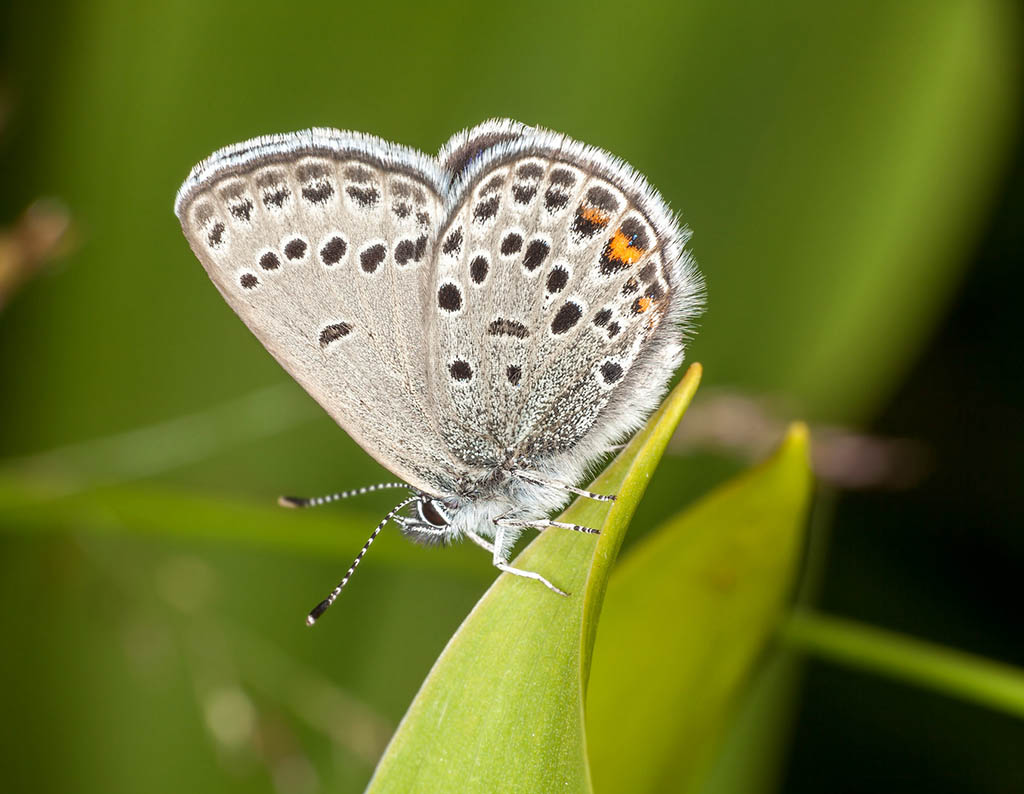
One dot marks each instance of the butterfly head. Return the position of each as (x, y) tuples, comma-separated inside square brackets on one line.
[(430, 522)]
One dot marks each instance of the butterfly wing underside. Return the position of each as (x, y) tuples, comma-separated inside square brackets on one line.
[(321, 242), (559, 284)]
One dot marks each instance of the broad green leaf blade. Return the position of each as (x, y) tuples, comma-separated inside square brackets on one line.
[(502, 708), (749, 754), (688, 612)]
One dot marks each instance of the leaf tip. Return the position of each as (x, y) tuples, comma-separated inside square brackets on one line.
[(797, 435), (796, 444)]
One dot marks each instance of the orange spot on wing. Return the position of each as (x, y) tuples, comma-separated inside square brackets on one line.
[(621, 248), (642, 304), (595, 215)]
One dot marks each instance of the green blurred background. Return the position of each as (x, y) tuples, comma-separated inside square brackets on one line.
[(852, 175)]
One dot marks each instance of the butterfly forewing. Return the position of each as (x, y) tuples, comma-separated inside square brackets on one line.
[(322, 243)]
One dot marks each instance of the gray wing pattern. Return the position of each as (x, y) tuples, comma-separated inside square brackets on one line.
[(322, 243), (559, 284)]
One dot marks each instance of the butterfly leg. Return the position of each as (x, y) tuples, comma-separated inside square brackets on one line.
[(544, 523), (502, 565), (479, 541), (597, 497)]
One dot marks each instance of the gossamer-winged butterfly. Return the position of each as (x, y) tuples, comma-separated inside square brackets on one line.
[(485, 323)]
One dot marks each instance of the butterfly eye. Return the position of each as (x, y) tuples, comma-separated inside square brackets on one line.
[(431, 514)]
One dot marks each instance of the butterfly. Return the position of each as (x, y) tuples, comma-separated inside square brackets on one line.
[(485, 323)]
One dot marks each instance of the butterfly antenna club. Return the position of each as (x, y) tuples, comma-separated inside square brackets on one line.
[(324, 605)]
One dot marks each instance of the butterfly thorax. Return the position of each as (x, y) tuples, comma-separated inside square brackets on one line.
[(485, 497)]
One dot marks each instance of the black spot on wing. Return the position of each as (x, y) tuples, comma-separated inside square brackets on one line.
[(511, 243), (536, 253), (216, 235), (405, 251), (568, 315), (494, 183), (555, 200), (370, 258), (461, 370), (523, 194), (334, 332), (295, 249), (560, 176), (276, 197), (453, 243), (504, 327), (358, 173), (486, 209), (449, 297), (557, 279), (602, 199), (242, 210), (364, 197), (588, 222), (318, 193), (333, 250), (478, 269), (611, 371)]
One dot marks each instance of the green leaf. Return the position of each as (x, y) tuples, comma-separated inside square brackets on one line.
[(503, 706), (36, 504), (952, 672), (749, 755), (688, 613), (166, 445)]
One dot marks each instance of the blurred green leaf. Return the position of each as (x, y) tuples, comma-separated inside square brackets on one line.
[(163, 446), (43, 505), (865, 152), (688, 613), (503, 706), (952, 672)]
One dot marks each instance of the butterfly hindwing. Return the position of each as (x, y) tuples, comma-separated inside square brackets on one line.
[(560, 276)]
